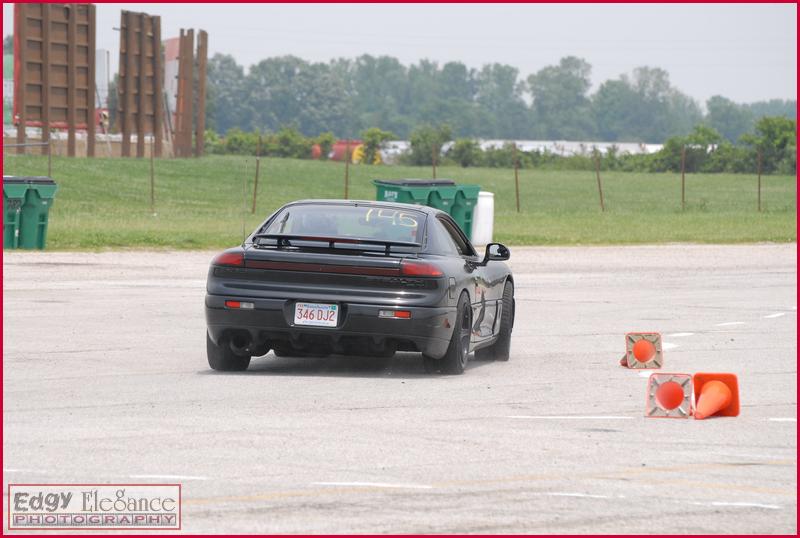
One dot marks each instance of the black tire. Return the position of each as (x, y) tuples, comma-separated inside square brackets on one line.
[(432, 366), (455, 360), (501, 349), (222, 358)]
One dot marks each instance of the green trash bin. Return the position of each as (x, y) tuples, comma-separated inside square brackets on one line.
[(14, 189), (34, 196), (457, 200), (463, 207), (408, 191)]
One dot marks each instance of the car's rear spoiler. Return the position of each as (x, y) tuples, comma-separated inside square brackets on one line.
[(283, 241)]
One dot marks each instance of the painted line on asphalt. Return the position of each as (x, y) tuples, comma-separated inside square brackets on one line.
[(729, 323), (373, 485), (31, 471), (775, 315), (782, 419), (168, 476), (582, 495), (631, 472), (680, 335), (740, 505), (570, 417)]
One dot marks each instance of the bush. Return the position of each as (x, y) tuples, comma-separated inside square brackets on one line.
[(775, 138), (374, 140), (325, 142), (466, 152), (424, 141), (289, 142), (238, 142)]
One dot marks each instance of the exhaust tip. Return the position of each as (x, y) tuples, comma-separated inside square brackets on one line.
[(240, 343)]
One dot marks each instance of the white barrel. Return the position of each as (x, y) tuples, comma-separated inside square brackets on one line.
[(483, 219)]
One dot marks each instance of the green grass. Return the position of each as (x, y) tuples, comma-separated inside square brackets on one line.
[(106, 202)]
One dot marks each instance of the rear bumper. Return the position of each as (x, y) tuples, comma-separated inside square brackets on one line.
[(272, 320)]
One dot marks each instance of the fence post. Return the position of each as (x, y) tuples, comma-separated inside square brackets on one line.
[(759, 180), (599, 184), (49, 157), (255, 185), (516, 174), (346, 168), (683, 178), (433, 156), (152, 178)]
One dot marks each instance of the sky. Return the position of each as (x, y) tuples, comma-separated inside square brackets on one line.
[(747, 52)]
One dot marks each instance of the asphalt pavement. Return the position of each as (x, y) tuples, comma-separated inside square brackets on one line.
[(105, 380)]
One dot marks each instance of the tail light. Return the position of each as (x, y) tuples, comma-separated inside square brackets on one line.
[(395, 314), (229, 258), (419, 268), (239, 304)]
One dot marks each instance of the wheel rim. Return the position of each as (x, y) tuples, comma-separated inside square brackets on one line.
[(465, 328)]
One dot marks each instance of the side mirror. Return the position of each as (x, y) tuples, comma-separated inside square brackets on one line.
[(496, 252)]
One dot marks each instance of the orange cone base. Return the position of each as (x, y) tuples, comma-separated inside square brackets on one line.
[(716, 394)]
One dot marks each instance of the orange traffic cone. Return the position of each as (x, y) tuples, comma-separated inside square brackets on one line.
[(642, 351), (716, 394)]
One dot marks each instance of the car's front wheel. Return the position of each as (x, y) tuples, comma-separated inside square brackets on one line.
[(221, 357), (455, 360)]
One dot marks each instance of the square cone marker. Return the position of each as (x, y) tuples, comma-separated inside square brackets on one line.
[(643, 351), (669, 396)]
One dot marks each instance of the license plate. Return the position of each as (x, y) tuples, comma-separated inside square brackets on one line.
[(316, 314)]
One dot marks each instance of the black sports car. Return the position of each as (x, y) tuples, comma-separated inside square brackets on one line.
[(365, 278)]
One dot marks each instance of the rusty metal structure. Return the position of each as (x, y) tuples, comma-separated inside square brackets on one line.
[(141, 82), (182, 141), (190, 94), (202, 59), (54, 79)]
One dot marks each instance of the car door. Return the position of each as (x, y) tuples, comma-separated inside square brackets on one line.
[(483, 296)]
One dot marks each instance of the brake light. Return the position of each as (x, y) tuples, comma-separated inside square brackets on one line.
[(229, 258), (395, 314), (418, 268), (239, 304)]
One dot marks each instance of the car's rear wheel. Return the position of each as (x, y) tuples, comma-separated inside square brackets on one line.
[(221, 357), (455, 360), (501, 349)]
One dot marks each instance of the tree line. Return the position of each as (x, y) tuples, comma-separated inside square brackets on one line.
[(347, 96), (771, 147)]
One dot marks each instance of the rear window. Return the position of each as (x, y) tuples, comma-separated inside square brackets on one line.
[(358, 222)]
